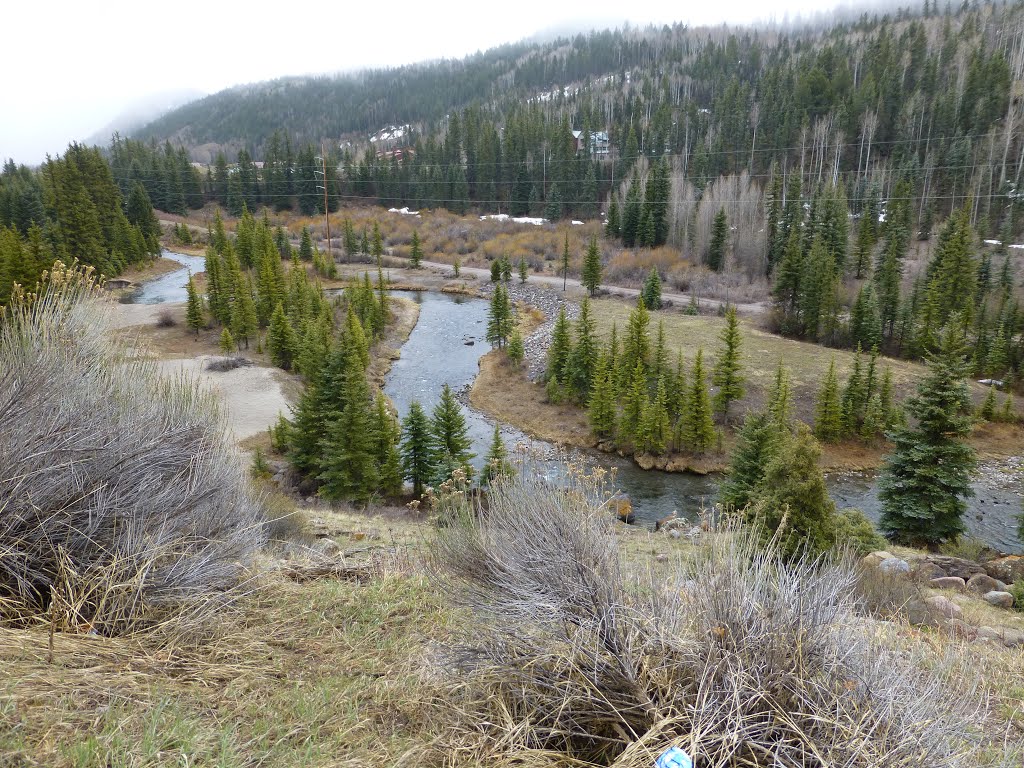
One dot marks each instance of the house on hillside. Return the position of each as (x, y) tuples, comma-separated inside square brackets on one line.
[(599, 144)]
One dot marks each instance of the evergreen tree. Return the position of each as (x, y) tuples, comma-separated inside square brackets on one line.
[(500, 320), (496, 463), (719, 240), (386, 454), (565, 262), (227, 343), (450, 437), (727, 376), (244, 322), (415, 250), (699, 431), (656, 428), (591, 277), (987, 411), (828, 419), (523, 270), (601, 406), (755, 446), (651, 291), (928, 475), (612, 228), (560, 349), (496, 271), (305, 245), (636, 347), (417, 449), (792, 503), (194, 309), (865, 322), (631, 423), (515, 349), (378, 244), (780, 400), (348, 464), (581, 361), (281, 341)]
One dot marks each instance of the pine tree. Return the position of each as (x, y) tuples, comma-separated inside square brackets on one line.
[(780, 400), (699, 431), (523, 270), (631, 423), (305, 246), (415, 251), (194, 310), (656, 429), (652, 290), (560, 349), (591, 277), (515, 349), (755, 446), (450, 437), (828, 418), (496, 271), (496, 463), (243, 314), (581, 361), (792, 504), (417, 449), (601, 403), (281, 341), (928, 475), (500, 320), (855, 397), (378, 244), (988, 407), (348, 461), (727, 376), (227, 343), (636, 347), (612, 228), (719, 239), (865, 322), (506, 269), (659, 357)]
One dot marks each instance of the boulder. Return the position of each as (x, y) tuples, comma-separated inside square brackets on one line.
[(945, 607), (327, 548), (999, 599), (882, 555), (956, 566), (1011, 638), (925, 571), (894, 565), (1006, 569), (621, 505), (948, 582), (876, 558), (982, 584)]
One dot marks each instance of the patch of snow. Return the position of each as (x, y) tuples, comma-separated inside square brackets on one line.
[(1018, 245), (389, 133), (577, 223), (991, 242), (404, 212), (536, 221)]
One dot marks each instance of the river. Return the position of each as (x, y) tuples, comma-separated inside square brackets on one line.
[(170, 287), (437, 353)]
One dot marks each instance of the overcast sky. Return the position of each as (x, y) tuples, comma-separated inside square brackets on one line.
[(70, 68)]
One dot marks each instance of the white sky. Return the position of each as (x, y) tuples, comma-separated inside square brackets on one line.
[(69, 68)]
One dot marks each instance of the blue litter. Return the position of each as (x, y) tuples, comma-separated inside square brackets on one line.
[(674, 757)]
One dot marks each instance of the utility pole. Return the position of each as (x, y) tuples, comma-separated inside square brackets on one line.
[(327, 215)]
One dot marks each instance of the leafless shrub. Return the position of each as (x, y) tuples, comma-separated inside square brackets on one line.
[(165, 318), (224, 364), (740, 657), (122, 499)]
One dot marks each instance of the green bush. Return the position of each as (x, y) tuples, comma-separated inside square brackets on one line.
[(1017, 590), (966, 547), (854, 530)]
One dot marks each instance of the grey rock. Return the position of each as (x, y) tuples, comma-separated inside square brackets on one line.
[(948, 582), (1011, 638), (675, 533), (999, 599), (956, 566), (894, 565), (925, 571), (981, 584), (944, 607), (1006, 569)]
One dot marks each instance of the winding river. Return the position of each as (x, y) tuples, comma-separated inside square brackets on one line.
[(439, 352), (447, 344)]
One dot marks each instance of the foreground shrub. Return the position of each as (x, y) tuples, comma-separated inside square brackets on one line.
[(857, 533), (122, 499), (740, 655)]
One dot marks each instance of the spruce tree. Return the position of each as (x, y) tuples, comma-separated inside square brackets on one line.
[(755, 445), (656, 428), (378, 244), (987, 411), (243, 314), (386, 454), (515, 349), (580, 365), (631, 423), (416, 251), (928, 475), (348, 464), (612, 228), (719, 240), (523, 269), (637, 345), (792, 504), (281, 341), (450, 438), (500, 320), (194, 310), (417, 449), (727, 376), (227, 343), (496, 463), (565, 262), (305, 246), (780, 399), (601, 404), (591, 277), (496, 271), (828, 418), (699, 431), (652, 289), (560, 349)]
